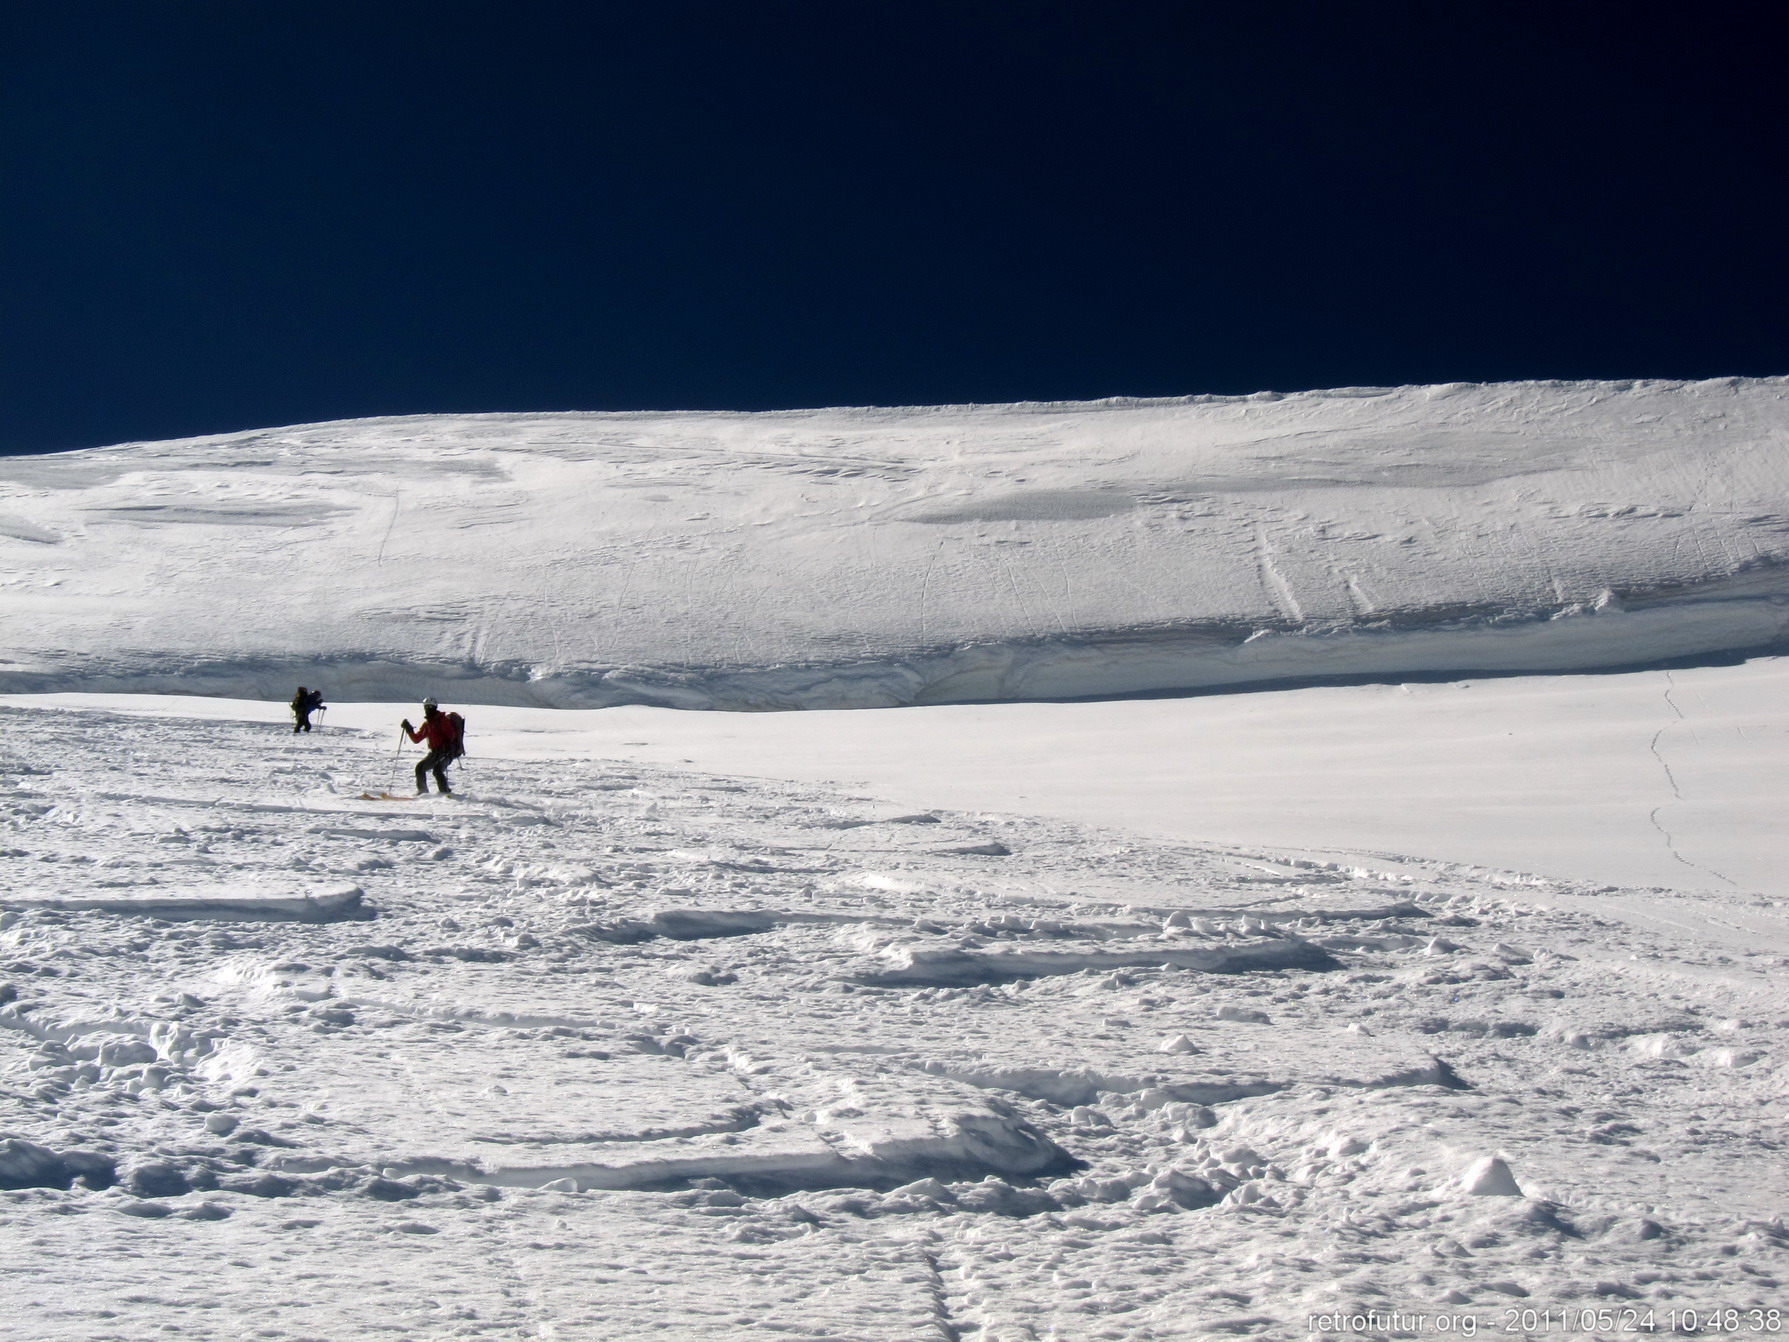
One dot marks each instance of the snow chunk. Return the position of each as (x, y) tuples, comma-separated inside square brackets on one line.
[(1490, 1177), (1247, 1015), (27, 1165), (230, 904), (696, 924), (934, 965)]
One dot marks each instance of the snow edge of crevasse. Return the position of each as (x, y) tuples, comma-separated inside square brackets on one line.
[(1746, 613)]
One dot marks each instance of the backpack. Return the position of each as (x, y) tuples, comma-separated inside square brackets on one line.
[(457, 746)]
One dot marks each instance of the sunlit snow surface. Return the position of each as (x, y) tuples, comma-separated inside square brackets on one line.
[(1138, 1019), (850, 558), (605, 1050)]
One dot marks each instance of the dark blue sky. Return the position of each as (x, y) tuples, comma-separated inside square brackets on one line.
[(230, 215)]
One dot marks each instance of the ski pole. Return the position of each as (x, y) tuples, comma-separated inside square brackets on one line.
[(395, 761)]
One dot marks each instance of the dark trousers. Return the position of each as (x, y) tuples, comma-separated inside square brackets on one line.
[(435, 762), (304, 720)]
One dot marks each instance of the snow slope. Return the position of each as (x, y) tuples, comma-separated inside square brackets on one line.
[(604, 1052), (1676, 779), (1260, 1015), (851, 558)]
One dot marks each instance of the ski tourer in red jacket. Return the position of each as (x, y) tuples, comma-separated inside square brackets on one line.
[(442, 733)]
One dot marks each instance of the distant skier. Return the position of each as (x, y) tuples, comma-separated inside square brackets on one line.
[(304, 703), (445, 733)]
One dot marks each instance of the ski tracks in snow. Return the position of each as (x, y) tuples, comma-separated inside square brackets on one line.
[(1274, 582), (1676, 791), (397, 506)]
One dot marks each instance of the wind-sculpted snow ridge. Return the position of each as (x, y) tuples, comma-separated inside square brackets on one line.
[(614, 1053), (228, 904), (860, 558)]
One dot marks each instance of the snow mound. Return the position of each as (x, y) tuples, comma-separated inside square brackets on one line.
[(1490, 1177), (871, 557)]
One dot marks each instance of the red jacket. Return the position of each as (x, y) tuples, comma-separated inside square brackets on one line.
[(437, 730)]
